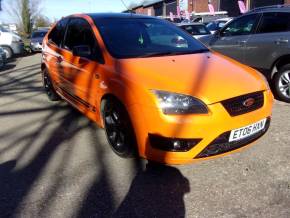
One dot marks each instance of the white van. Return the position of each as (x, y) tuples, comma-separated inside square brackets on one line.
[(11, 43)]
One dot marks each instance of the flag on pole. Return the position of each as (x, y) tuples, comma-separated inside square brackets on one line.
[(149, 12), (211, 8), (178, 11), (242, 6), (187, 16), (171, 16)]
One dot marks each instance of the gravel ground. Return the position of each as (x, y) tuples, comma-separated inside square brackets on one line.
[(55, 163)]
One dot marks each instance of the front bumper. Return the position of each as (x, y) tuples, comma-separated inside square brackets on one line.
[(36, 46), (207, 127)]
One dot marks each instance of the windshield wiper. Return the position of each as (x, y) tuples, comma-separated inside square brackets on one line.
[(159, 54)]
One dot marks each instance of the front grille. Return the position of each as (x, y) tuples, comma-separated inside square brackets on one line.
[(222, 145), (235, 106)]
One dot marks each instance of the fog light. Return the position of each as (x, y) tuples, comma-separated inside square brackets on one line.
[(172, 144)]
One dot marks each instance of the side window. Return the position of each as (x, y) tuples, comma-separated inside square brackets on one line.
[(275, 22), (79, 33), (221, 24), (57, 34), (241, 26)]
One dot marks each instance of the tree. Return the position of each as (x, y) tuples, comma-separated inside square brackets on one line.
[(24, 12), (41, 21)]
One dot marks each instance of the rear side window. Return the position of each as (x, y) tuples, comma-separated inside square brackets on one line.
[(242, 26), (275, 22), (57, 34)]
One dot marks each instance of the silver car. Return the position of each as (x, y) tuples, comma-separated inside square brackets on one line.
[(260, 39), (36, 40), (197, 30)]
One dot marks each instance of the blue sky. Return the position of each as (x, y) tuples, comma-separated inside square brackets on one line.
[(55, 9)]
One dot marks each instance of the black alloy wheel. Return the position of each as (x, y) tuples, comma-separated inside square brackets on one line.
[(118, 128), (48, 87)]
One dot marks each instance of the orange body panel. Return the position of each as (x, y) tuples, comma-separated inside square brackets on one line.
[(209, 77)]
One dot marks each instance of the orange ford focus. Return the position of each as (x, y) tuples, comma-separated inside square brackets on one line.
[(156, 91)]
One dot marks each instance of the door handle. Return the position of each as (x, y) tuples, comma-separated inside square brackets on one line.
[(59, 59), (242, 42), (281, 41)]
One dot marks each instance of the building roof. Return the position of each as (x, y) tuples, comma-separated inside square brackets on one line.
[(150, 2), (146, 3)]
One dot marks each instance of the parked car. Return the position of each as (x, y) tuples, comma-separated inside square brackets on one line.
[(169, 103), (260, 39), (197, 30), (11, 43), (2, 58), (36, 40), (206, 17), (215, 25)]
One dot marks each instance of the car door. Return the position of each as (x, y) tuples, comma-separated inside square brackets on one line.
[(231, 40), (53, 52), (80, 73), (270, 42)]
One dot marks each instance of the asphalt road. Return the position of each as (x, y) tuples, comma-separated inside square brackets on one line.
[(55, 163)]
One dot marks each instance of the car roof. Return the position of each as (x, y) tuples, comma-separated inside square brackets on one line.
[(273, 8), (118, 15), (190, 24), (224, 19)]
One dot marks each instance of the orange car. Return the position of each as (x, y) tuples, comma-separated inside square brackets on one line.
[(155, 90)]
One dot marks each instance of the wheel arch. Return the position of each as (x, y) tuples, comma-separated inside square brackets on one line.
[(280, 62), (8, 46), (43, 66)]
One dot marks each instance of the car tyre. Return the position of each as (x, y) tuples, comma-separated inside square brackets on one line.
[(2, 64), (118, 127), (282, 83), (48, 86), (8, 51)]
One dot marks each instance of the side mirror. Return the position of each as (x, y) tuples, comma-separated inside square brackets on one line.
[(217, 33), (82, 51)]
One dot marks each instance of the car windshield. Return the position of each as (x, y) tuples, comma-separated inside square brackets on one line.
[(196, 29), (145, 37), (2, 29), (38, 34)]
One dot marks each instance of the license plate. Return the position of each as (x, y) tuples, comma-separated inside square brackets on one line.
[(247, 131)]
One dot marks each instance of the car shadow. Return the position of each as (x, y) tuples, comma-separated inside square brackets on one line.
[(157, 191)]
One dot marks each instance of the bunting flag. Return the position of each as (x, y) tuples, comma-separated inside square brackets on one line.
[(242, 6)]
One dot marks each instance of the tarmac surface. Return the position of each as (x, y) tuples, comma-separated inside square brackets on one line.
[(55, 163)]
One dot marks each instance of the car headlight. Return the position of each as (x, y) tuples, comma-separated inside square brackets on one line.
[(173, 103)]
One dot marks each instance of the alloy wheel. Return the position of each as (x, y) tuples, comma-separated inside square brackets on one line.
[(115, 128), (47, 85), (284, 84)]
